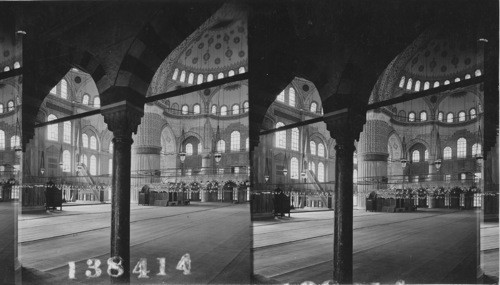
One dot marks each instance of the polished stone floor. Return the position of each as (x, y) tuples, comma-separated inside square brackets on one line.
[(428, 246), (216, 235)]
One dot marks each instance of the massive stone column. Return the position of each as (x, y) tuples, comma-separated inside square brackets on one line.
[(372, 156), (344, 127), (122, 119)]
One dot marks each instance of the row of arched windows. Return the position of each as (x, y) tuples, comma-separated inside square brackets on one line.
[(447, 151), (10, 107), (450, 117), (314, 108), (281, 141), (53, 134), (86, 100), (223, 110), (291, 97), (61, 89), (15, 66), (320, 172), (408, 85), (15, 141), (201, 78), (234, 144)]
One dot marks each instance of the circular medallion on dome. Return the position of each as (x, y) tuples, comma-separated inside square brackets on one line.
[(415, 59), (231, 32), (305, 87), (434, 99), (467, 61), (226, 37), (218, 36), (206, 92), (433, 64), (206, 56), (443, 68), (427, 53), (195, 60), (236, 40), (218, 45), (78, 79), (241, 54), (421, 68), (210, 40), (6, 53), (217, 61), (444, 53), (229, 53), (454, 61), (206, 35), (188, 52), (201, 45)]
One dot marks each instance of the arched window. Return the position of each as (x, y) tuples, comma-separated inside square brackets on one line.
[(312, 166), (7, 68), (477, 72), (411, 117), (66, 160), (476, 149), (415, 156), (402, 82), (355, 176), (185, 109), (97, 102), (312, 146), (446, 82), (189, 149), (294, 168), (111, 147), (461, 148), (280, 136), (423, 116), (426, 85), (245, 106), (291, 97), (175, 108), (220, 75), (221, 146), (235, 141), (321, 172), (67, 132), (64, 89), (355, 157), (426, 155), (15, 142), (247, 143), (440, 116), (449, 118), (321, 150), (472, 113), (53, 90), (93, 165), (85, 99), (236, 109), (457, 79), (200, 79), (196, 109), (52, 130), (200, 148), (17, 65), (214, 109), (223, 111), (417, 85), (402, 115), (191, 78), (84, 160), (10, 106), (1, 108), (183, 76), (436, 84), (174, 76), (230, 73), (314, 107), (281, 96), (467, 76), (85, 140), (210, 78), (2, 140), (295, 139), (461, 116), (110, 166), (409, 84), (93, 143), (241, 70)]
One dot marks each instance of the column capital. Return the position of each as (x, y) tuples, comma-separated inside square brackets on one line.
[(345, 125), (122, 118)]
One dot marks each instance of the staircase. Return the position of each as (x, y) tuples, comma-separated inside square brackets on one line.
[(317, 187), (87, 179)]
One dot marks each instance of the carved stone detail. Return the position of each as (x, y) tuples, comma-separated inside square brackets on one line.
[(122, 119)]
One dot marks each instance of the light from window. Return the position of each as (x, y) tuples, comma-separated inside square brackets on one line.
[(417, 85), (312, 146), (440, 116), (84, 160), (110, 166), (447, 177), (220, 75), (355, 157), (461, 116), (295, 139), (423, 116), (436, 84), (189, 149), (64, 89), (235, 141), (447, 153), (85, 140), (191, 78), (245, 106), (476, 150), (236, 109), (426, 155), (477, 177), (467, 76), (7, 68), (247, 144), (53, 90), (461, 148), (2, 140), (200, 148), (241, 70), (85, 99), (321, 172), (321, 150), (409, 84), (185, 109), (183, 76), (17, 65), (223, 111), (449, 118), (10, 106), (1, 108), (97, 102), (221, 146), (230, 73), (210, 78), (93, 165), (478, 72), (52, 130), (280, 136), (281, 96), (214, 109), (111, 147), (294, 168), (463, 176), (291, 97), (93, 142), (426, 85), (446, 82), (415, 156), (196, 109), (355, 176), (472, 113), (457, 79), (402, 82), (66, 160), (312, 166), (174, 77), (15, 141), (200, 79), (411, 117), (314, 107), (67, 132)]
